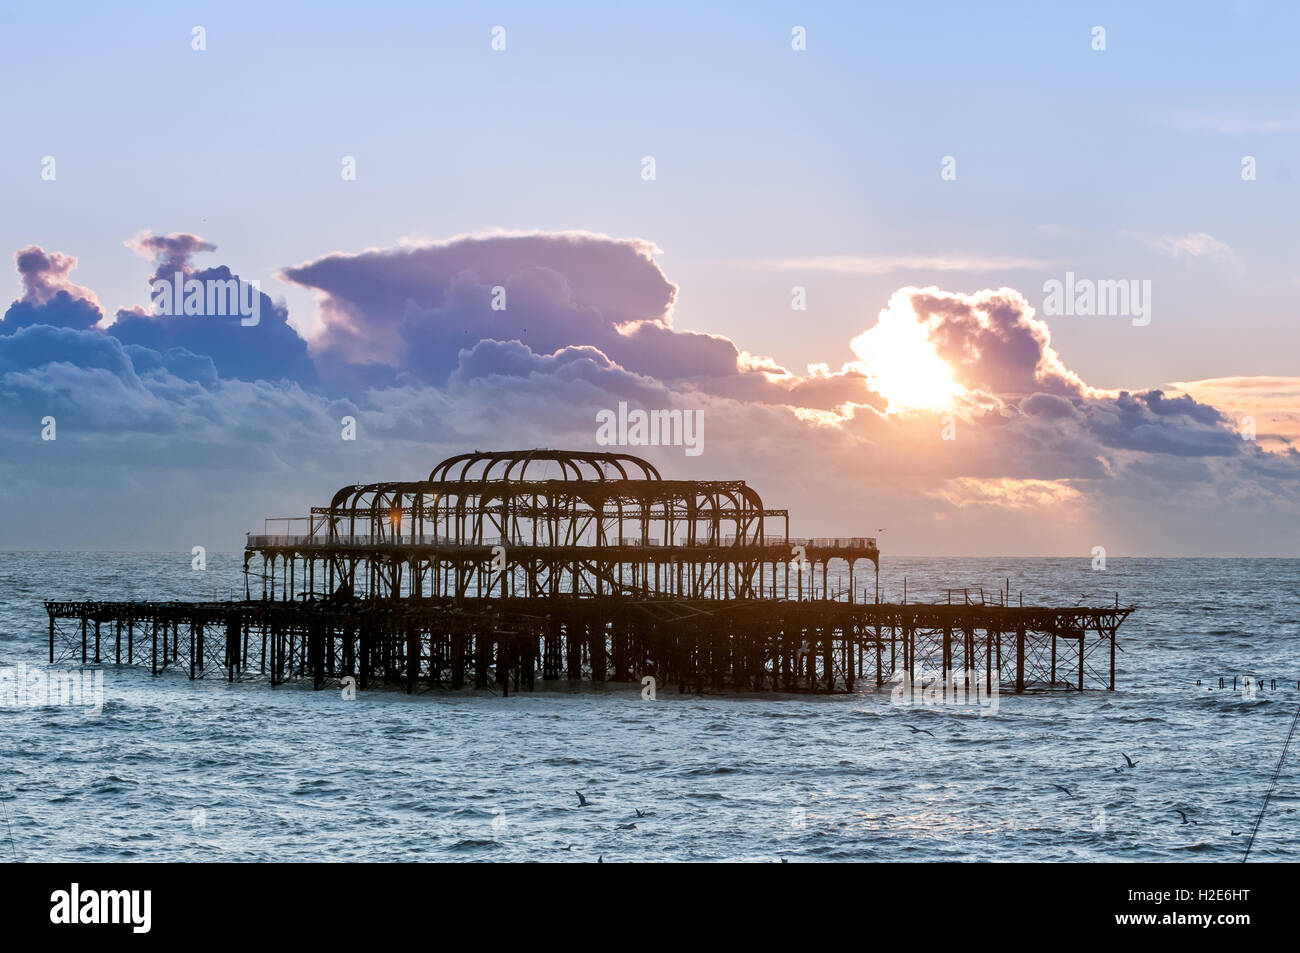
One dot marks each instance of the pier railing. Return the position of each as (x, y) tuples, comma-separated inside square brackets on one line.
[(866, 543), (827, 542)]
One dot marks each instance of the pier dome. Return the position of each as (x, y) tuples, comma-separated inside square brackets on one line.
[(514, 465)]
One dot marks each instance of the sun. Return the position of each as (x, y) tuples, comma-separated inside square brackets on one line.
[(901, 364)]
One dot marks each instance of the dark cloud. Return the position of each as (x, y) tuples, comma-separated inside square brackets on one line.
[(271, 350), (1151, 423), (1182, 406), (61, 311), (1048, 405)]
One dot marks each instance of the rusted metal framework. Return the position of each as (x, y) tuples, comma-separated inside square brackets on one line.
[(503, 567), (551, 524), (814, 645)]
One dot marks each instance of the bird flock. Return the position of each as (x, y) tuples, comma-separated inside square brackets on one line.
[(1128, 765)]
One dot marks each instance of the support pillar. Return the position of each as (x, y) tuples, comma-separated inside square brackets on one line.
[(1020, 658)]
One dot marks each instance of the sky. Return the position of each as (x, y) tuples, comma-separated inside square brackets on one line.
[(832, 229)]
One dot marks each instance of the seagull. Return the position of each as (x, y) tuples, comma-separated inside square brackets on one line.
[(570, 847), (1235, 833), (582, 801), (919, 731), (1183, 816), (1062, 787), (639, 812), (1131, 762)]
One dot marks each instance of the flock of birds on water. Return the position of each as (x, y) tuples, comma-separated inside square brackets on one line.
[(1129, 764)]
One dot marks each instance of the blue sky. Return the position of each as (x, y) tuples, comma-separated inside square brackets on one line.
[(818, 168), (761, 153)]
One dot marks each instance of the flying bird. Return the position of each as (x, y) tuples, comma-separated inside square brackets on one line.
[(919, 731), (1131, 762), (1183, 816), (639, 812), (1062, 787), (582, 801)]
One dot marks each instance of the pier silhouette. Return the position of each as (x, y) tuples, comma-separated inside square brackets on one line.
[(502, 568)]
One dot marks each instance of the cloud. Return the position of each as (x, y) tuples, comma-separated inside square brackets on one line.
[(1270, 404), (405, 313), (1015, 494), (413, 350), (889, 264), (48, 296), (1151, 423), (270, 350), (45, 275), (170, 253), (992, 340), (1195, 245), (367, 298)]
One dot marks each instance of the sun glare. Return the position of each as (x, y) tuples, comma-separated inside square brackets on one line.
[(902, 366)]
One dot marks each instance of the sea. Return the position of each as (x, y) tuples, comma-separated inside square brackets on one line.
[(165, 769)]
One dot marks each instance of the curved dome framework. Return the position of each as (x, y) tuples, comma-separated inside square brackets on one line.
[(569, 464), (549, 523)]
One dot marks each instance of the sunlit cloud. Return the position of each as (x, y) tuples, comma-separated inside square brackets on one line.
[(1271, 403), (1007, 493), (45, 274), (901, 363)]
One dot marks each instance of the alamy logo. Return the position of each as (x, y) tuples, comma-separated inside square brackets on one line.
[(102, 907), (212, 296), (1127, 298), (959, 689), (44, 687), (653, 428)]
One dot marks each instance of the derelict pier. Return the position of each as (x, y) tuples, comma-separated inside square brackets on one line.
[(504, 568)]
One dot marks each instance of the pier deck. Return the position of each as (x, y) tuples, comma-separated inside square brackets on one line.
[(697, 645)]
